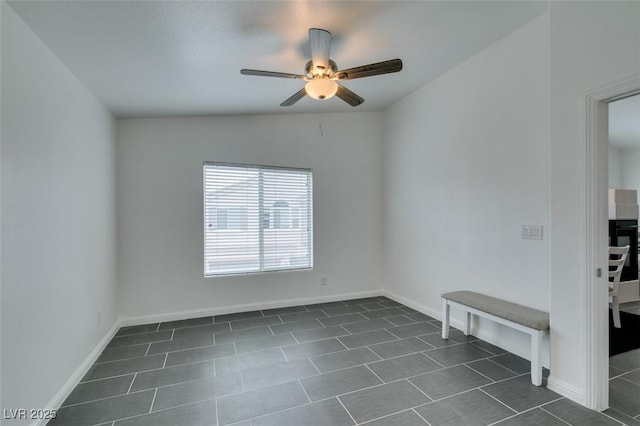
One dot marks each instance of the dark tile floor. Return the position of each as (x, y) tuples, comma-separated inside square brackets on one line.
[(624, 387), (368, 361)]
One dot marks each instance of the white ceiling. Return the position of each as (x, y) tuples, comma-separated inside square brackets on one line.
[(624, 123), (156, 58)]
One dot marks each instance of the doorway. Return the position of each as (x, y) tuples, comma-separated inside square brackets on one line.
[(624, 185), (597, 336)]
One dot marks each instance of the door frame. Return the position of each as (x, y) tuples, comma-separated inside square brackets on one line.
[(597, 313)]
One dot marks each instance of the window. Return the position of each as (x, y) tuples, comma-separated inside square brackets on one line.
[(256, 219)]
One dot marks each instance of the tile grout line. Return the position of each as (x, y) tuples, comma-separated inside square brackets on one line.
[(205, 377), (420, 415), (160, 411), (164, 364), (295, 338), (345, 409), (131, 384), (506, 368), (134, 344), (612, 418), (379, 357), (286, 358), (153, 400), (126, 359), (305, 391), (473, 342), (242, 382), (375, 419), (425, 342), (217, 411), (421, 391), (372, 372), (628, 381), (483, 375), (553, 415), (113, 377), (633, 370), (514, 415), (455, 394), (419, 351), (105, 398), (493, 397), (375, 386), (432, 359), (314, 365)]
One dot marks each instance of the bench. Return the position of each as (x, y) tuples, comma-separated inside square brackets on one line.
[(522, 318)]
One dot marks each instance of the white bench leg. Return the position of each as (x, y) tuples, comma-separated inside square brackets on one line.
[(536, 357), (445, 318), (467, 323)]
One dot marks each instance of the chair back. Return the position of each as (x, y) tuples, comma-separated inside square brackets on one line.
[(617, 257)]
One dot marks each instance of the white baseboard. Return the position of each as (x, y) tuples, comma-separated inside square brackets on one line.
[(414, 305), (568, 391), (77, 375), (179, 315), (437, 314)]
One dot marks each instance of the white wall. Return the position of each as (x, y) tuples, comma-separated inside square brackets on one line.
[(615, 167), (630, 168), (160, 208), (593, 44), (58, 220), (466, 164)]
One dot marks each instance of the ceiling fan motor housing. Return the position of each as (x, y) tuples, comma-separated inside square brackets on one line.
[(314, 71)]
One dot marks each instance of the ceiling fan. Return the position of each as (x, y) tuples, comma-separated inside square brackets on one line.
[(322, 75)]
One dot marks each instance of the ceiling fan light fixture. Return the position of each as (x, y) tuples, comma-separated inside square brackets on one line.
[(321, 88)]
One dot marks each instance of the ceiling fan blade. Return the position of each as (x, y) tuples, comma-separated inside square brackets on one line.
[(319, 41), (348, 96), (385, 67), (295, 98), (269, 74)]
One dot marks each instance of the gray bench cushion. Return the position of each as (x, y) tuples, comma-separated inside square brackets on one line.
[(529, 317)]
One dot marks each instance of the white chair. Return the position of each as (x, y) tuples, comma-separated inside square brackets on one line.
[(617, 257)]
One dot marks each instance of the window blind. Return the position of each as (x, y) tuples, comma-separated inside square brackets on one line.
[(256, 219)]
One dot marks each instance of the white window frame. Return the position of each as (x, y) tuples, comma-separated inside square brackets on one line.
[(263, 207)]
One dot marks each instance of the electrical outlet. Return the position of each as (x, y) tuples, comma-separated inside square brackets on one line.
[(323, 281)]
